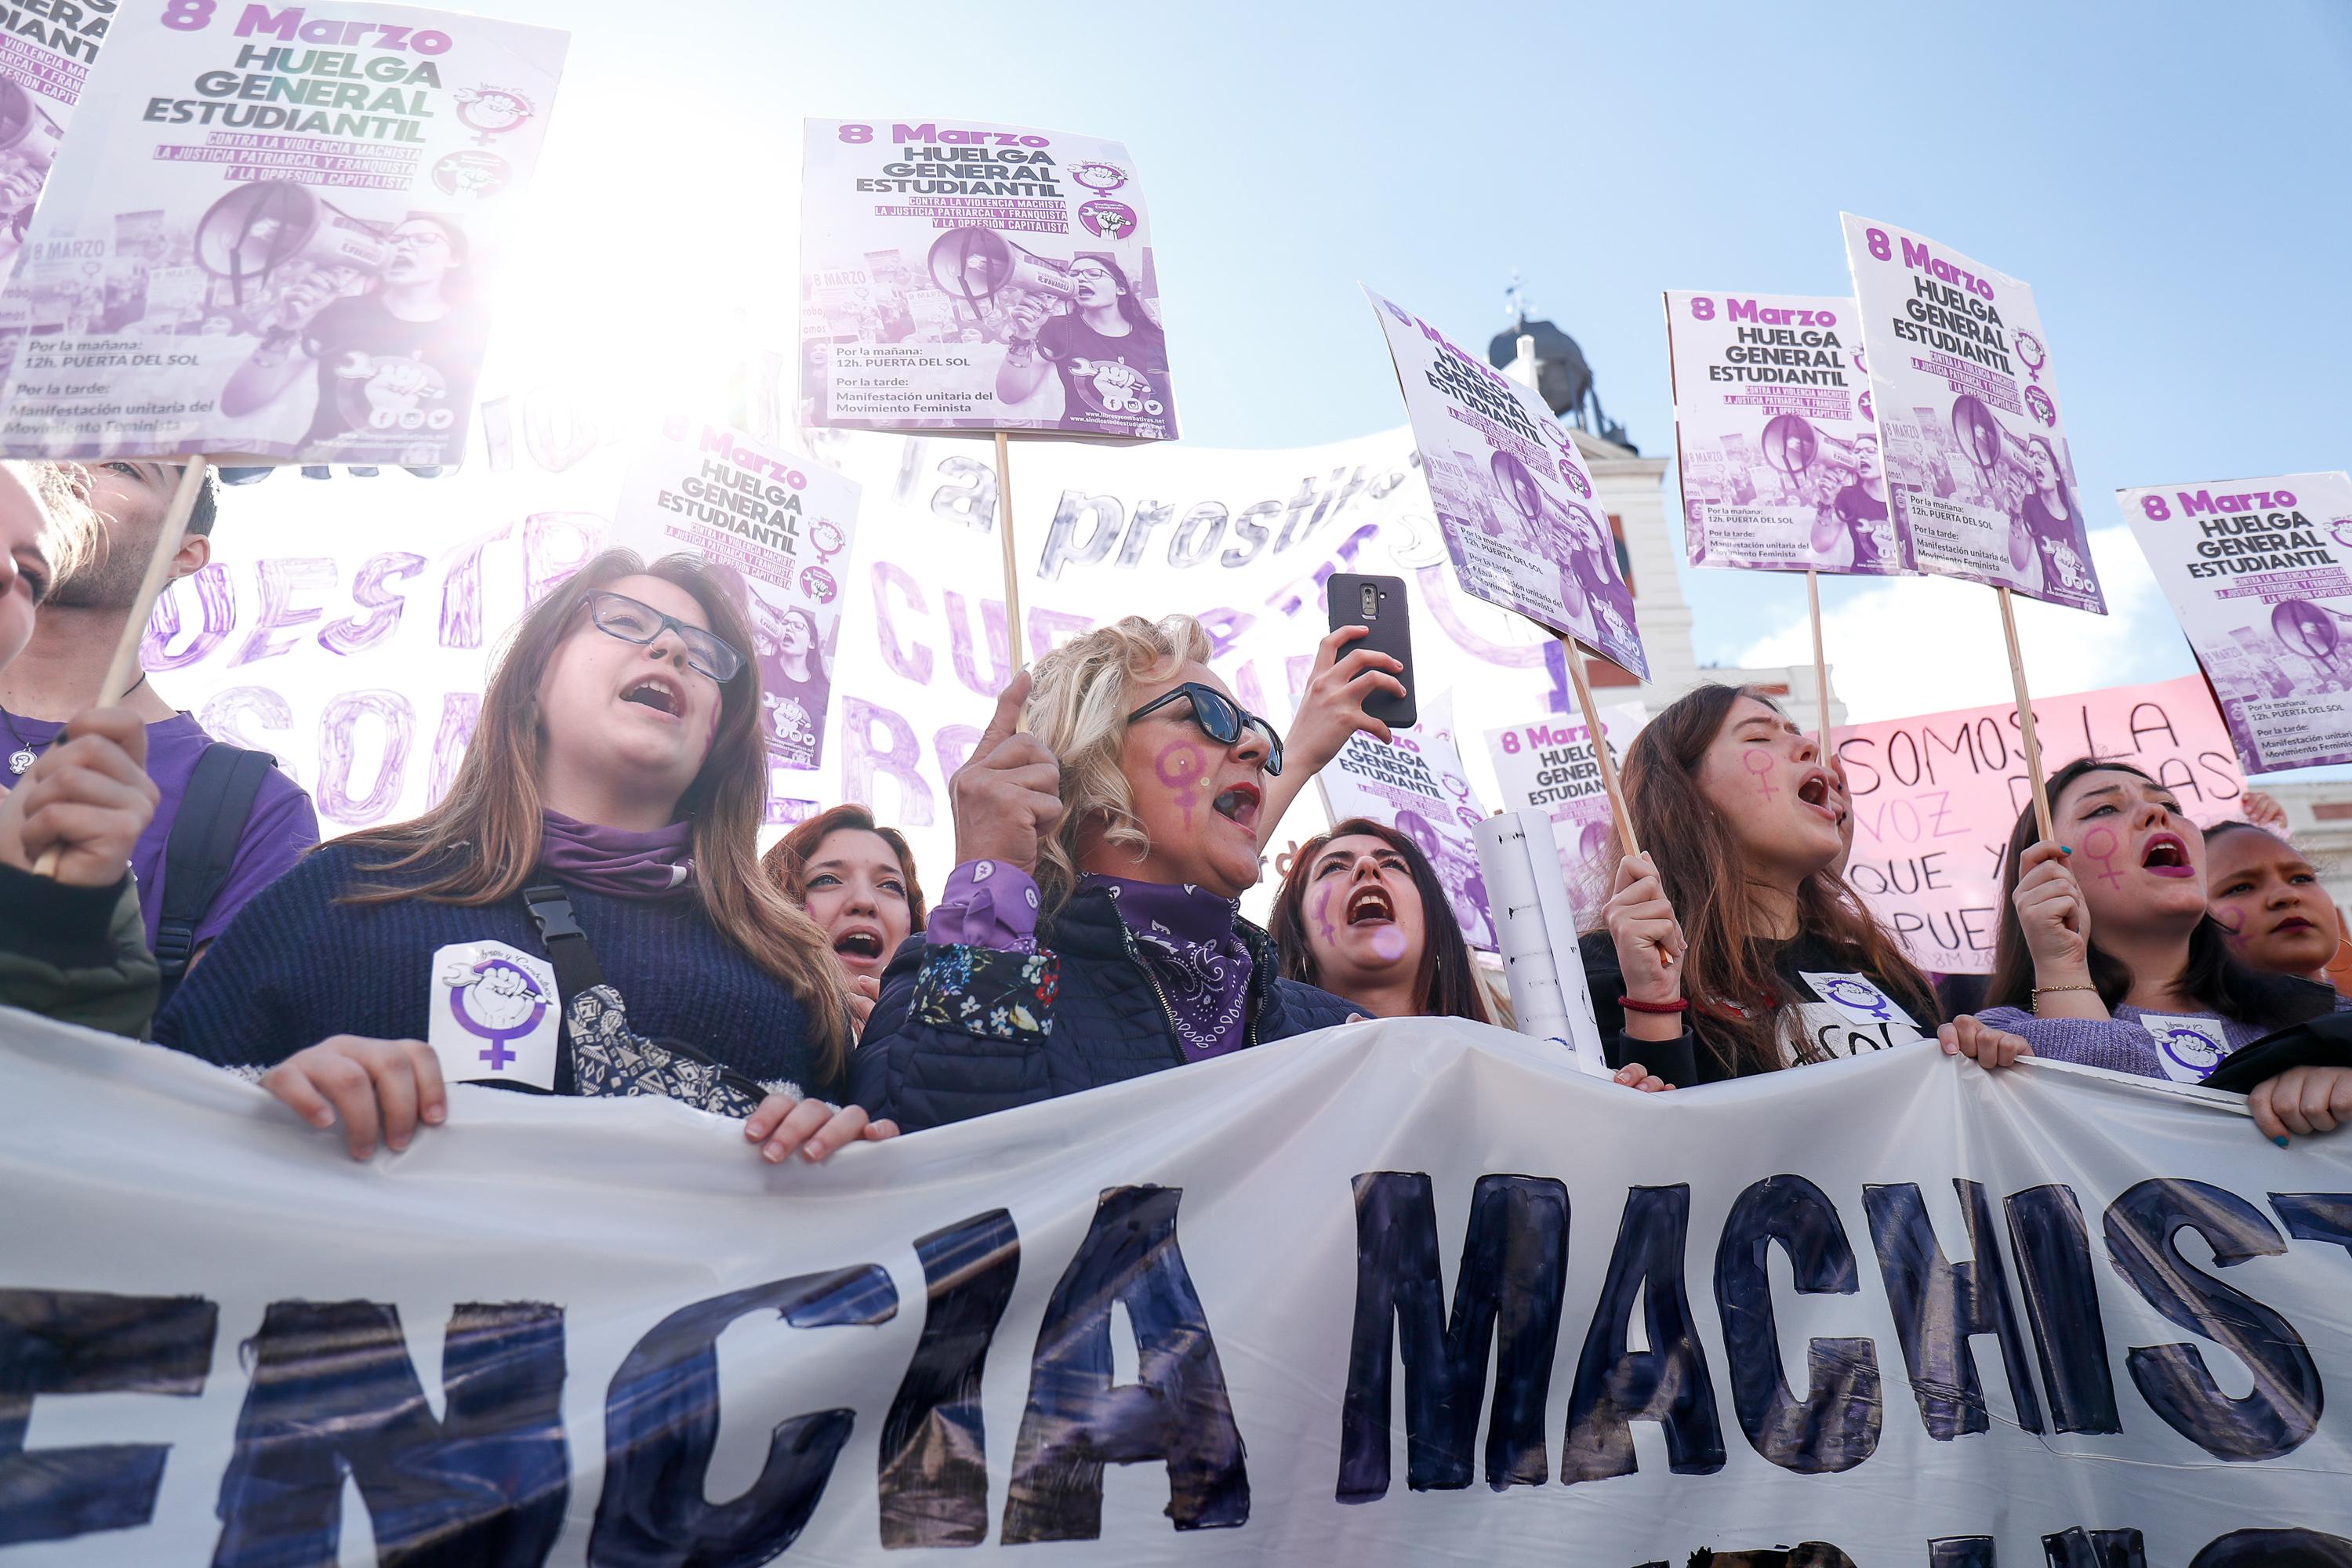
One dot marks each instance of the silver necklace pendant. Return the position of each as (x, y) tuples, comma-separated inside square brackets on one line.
[(20, 759)]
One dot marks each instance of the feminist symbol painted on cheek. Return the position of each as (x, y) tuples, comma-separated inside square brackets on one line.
[(1758, 760), (1323, 913), (2101, 843), (1180, 767)]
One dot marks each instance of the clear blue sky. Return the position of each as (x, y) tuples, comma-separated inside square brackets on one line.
[(2172, 179)]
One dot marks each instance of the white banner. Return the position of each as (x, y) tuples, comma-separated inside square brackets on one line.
[(276, 234), (1511, 491), (1778, 461), (1914, 1312), (357, 653), (1976, 450), (2256, 571), (778, 525), (956, 275)]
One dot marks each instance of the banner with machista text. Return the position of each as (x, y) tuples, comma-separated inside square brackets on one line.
[(1397, 1293)]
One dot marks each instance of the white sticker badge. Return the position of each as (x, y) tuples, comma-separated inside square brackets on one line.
[(1854, 1015), (496, 1015), (2189, 1047)]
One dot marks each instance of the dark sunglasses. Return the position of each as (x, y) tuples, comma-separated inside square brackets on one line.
[(1221, 718), (618, 615)]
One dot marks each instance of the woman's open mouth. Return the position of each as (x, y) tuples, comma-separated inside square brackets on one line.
[(861, 948), (1238, 803), (1371, 905), (1815, 793), (2166, 855), (657, 694)]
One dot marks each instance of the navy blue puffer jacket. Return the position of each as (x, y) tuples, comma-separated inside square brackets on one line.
[(963, 1031)]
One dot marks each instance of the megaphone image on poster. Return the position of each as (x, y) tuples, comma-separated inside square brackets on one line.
[(1980, 475), (1780, 467), (1005, 283), (220, 267), (2260, 573)]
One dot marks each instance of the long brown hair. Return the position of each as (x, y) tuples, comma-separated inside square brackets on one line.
[(787, 859), (494, 805), (1729, 965), (2219, 981), (1445, 984)]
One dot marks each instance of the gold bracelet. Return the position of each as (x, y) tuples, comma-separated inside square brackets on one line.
[(2034, 1001)]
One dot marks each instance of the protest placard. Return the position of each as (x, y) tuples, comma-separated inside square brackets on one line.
[(780, 527), (45, 53), (1418, 786), (1548, 765), (1511, 492), (1935, 799), (274, 238), (1777, 456), (2256, 571), (1977, 465), (960, 276)]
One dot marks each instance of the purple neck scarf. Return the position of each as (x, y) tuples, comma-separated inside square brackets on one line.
[(618, 862), (1189, 944)]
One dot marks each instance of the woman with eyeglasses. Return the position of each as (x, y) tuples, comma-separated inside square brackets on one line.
[(600, 830), (1107, 824)]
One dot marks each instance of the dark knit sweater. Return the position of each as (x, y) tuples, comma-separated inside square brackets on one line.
[(295, 967)]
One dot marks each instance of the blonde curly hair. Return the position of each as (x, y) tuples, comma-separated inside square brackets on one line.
[(1078, 707)]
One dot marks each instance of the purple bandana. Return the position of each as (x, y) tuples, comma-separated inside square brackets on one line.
[(618, 862), (1189, 943)]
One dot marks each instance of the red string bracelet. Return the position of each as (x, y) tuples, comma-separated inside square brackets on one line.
[(1679, 1004)]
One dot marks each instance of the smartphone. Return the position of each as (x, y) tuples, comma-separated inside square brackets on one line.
[(1379, 602)]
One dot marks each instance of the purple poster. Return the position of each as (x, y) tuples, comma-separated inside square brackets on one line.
[(1961, 384), (957, 276), (1779, 463), (256, 244), (1511, 493)]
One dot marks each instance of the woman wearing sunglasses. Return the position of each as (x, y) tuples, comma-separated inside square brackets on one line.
[(601, 828), (1090, 931)]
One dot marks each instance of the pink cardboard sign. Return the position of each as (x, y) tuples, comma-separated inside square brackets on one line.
[(1936, 796)]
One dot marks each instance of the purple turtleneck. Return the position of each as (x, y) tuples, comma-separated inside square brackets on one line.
[(616, 861)]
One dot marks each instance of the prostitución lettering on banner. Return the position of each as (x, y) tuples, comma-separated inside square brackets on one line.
[(1778, 459), (2256, 570), (45, 53), (272, 234), (776, 526), (1936, 797), (1961, 384), (958, 275), (1897, 1310), (1511, 492), (1548, 765), (1418, 786)]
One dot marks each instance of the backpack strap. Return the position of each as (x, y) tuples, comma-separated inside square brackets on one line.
[(202, 849), (576, 968)]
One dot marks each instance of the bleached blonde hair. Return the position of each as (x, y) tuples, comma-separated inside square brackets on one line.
[(69, 533), (1078, 707)]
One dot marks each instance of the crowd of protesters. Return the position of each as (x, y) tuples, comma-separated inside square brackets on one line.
[(162, 885)]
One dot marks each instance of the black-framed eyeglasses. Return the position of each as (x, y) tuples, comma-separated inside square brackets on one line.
[(618, 615), (1221, 718)]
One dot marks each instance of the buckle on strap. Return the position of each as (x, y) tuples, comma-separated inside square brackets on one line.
[(550, 911)]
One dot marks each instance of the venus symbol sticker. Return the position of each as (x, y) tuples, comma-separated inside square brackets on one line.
[(496, 1015)]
